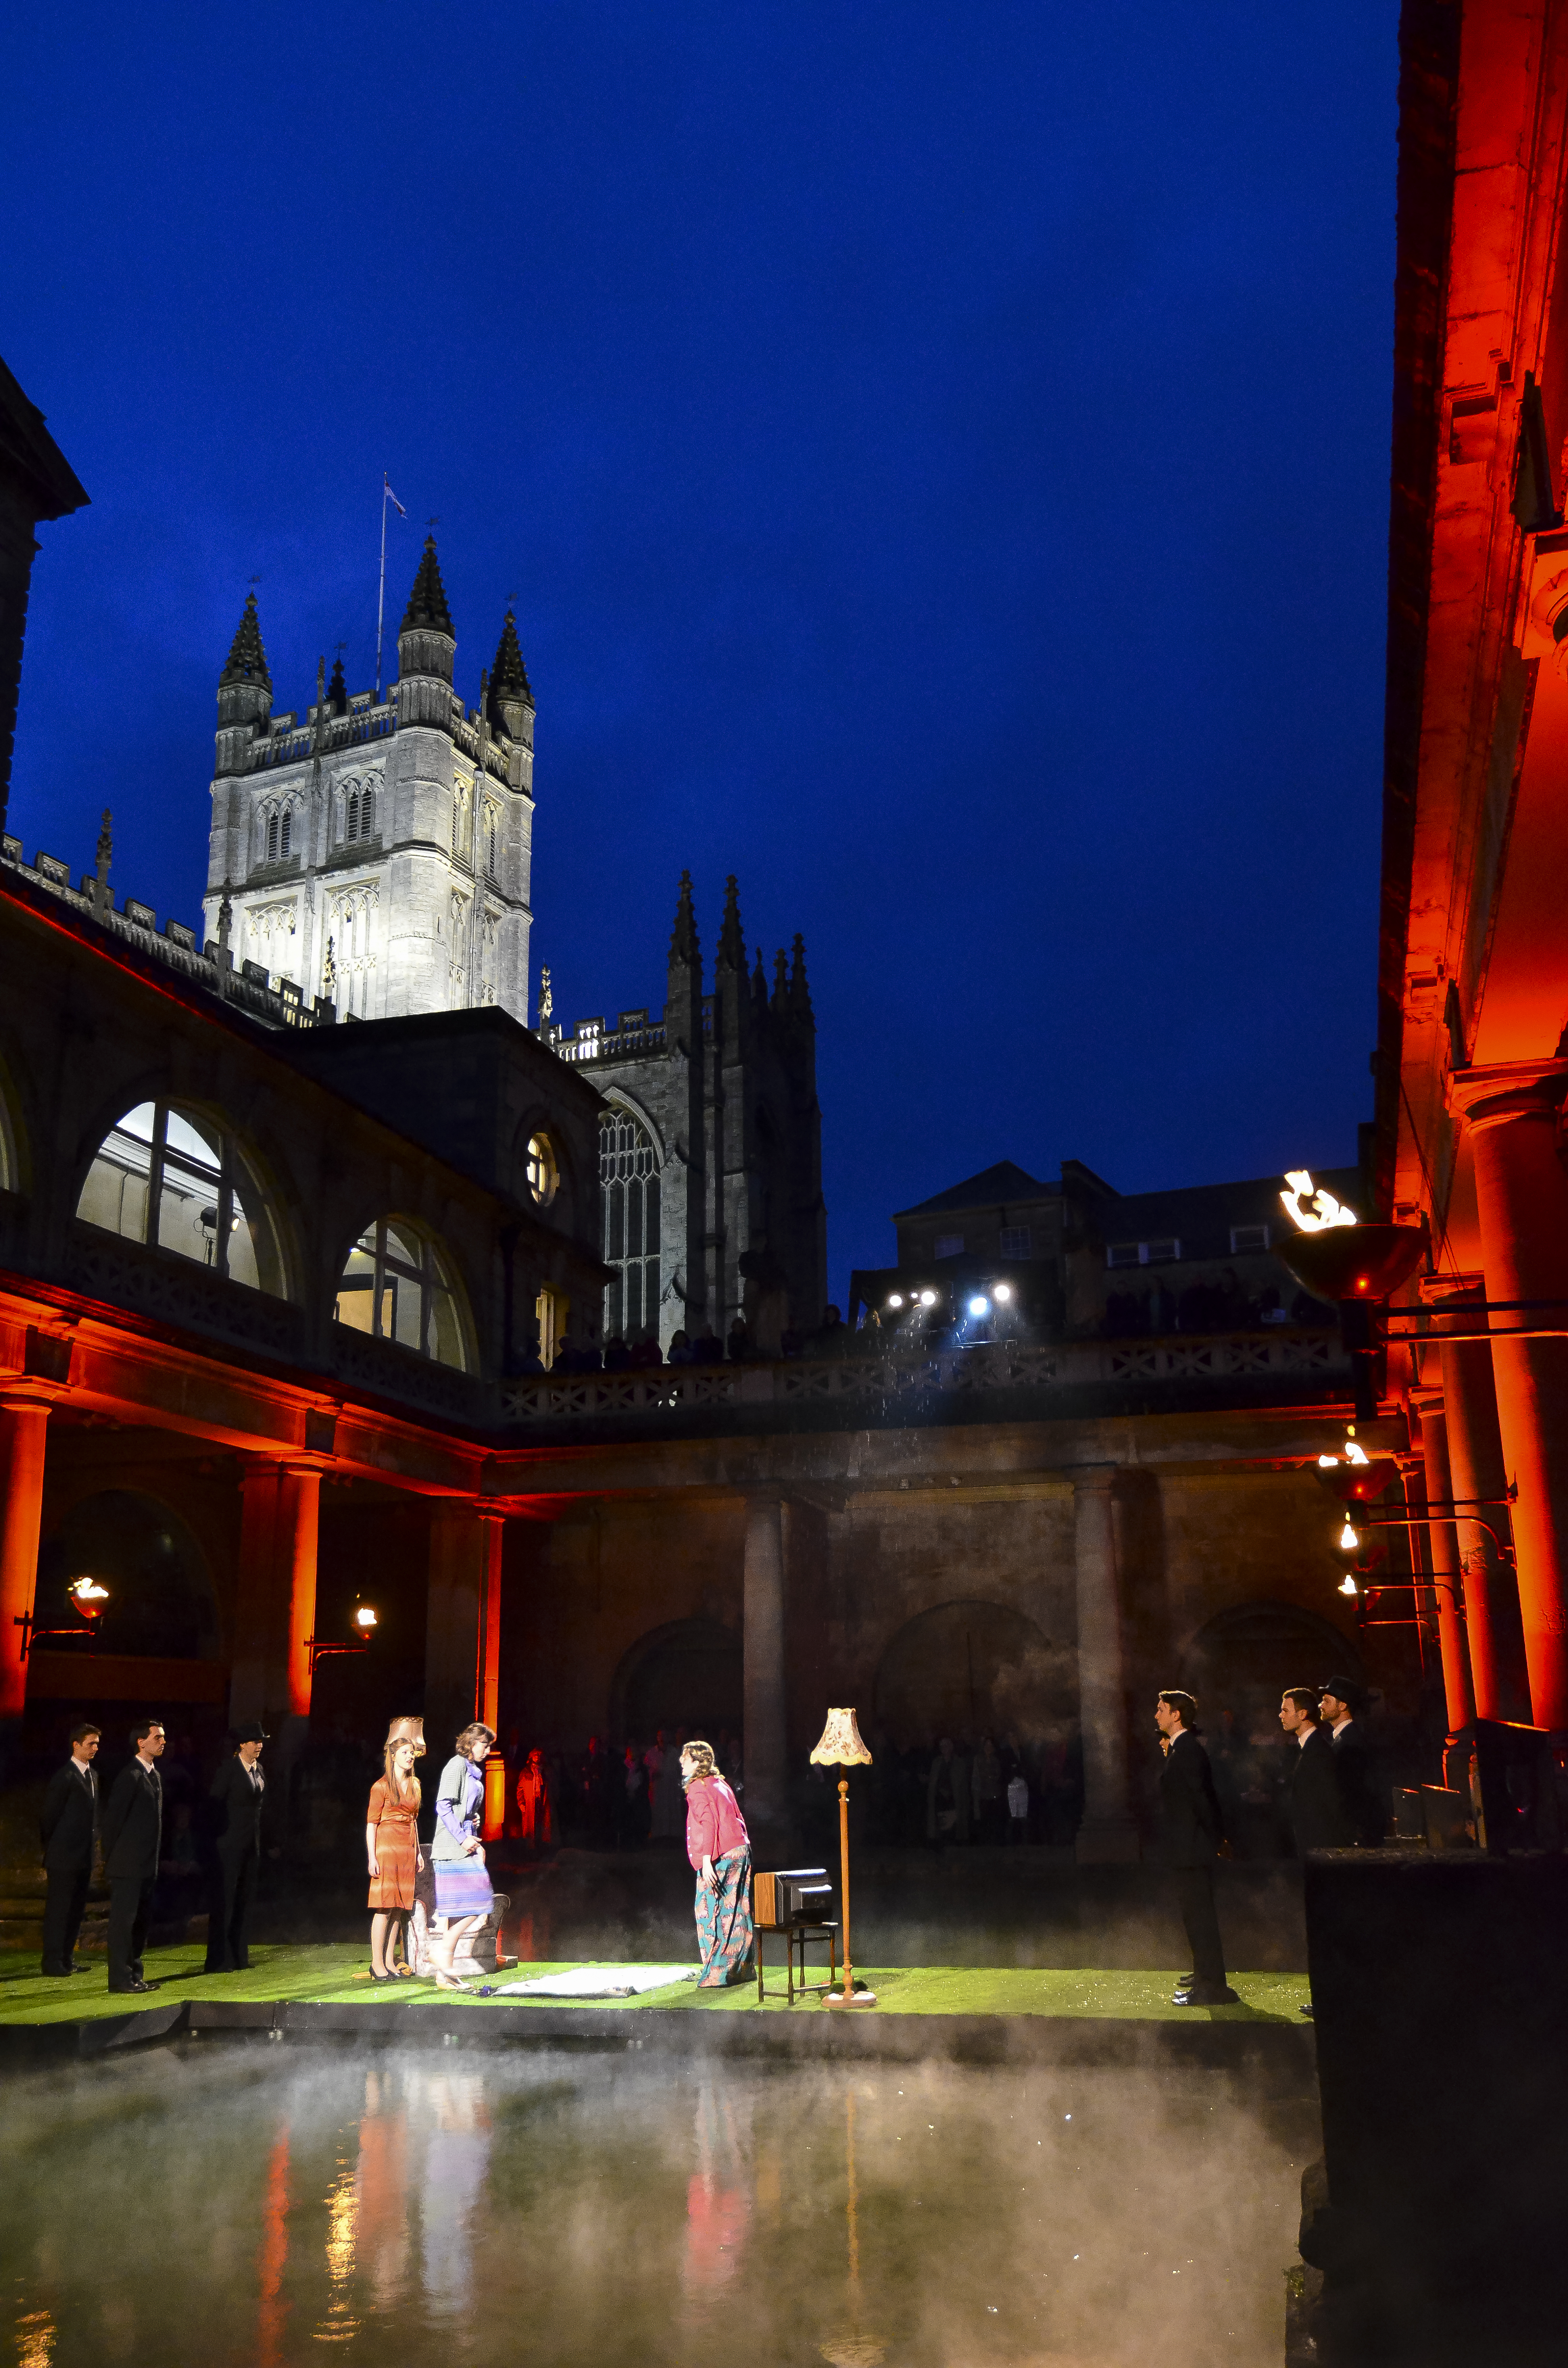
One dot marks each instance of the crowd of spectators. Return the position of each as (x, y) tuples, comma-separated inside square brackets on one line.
[(1222, 1306), (642, 1353)]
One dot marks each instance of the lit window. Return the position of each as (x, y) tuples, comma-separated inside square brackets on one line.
[(175, 1181), (1249, 1237), (540, 1169), (949, 1245), (1018, 1242), (395, 1287), (629, 1179)]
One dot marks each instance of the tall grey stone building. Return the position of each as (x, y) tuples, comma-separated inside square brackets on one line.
[(378, 858), (378, 854), (711, 1163)]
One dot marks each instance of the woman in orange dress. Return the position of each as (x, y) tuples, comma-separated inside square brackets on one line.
[(391, 1849)]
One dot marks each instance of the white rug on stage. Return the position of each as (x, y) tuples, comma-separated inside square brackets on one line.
[(600, 1981)]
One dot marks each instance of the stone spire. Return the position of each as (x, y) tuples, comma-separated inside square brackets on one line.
[(780, 984), (337, 688), (247, 659), (509, 675), (800, 993), (683, 943), (732, 944), (427, 610), (759, 984)]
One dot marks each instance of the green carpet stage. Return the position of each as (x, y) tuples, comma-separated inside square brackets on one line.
[(969, 2012)]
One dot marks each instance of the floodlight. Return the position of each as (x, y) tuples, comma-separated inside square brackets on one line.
[(1003, 1292), (895, 1299), (979, 1305)]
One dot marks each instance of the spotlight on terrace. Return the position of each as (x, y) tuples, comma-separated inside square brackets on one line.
[(1003, 1294), (895, 1299), (927, 1299), (979, 1304)]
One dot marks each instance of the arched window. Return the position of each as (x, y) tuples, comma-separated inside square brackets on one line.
[(628, 1176), (540, 1168), (396, 1287), (360, 814), (460, 817), (492, 830), (280, 833), (172, 1179)]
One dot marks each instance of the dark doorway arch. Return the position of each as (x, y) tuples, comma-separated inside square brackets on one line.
[(1243, 1659), (684, 1674), (974, 1668), (161, 1598)]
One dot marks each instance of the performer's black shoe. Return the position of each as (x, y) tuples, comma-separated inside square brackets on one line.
[(127, 1989), (1203, 1994), (57, 1973), (1308, 2012)]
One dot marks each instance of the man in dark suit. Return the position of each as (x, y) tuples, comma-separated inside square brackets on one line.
[(68, 1827), (1340, 1699), (1312, 1788), (1195, 1836), (236, 1796), (133, 1829)]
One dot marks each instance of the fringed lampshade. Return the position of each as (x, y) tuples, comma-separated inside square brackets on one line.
[(841, 1745)]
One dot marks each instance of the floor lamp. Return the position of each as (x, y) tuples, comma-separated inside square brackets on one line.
[(841, 1747)]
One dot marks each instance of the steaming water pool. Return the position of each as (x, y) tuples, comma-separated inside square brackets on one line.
[(230, 2203)]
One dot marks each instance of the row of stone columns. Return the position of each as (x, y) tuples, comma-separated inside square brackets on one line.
[(1501, 1415)]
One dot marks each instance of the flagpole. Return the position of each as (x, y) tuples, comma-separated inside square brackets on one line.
[(382, 595)]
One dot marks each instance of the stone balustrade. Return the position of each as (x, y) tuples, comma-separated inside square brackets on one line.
[(892, 1381)]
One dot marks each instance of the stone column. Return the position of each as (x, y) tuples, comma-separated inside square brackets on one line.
[(1427, 1483), (492, 1536), (766, 1794), (1475, 1468), (299, 1519), (1109, 1834), (1521, 1189), (461, 1551), (23, 1423), (258, 1668)]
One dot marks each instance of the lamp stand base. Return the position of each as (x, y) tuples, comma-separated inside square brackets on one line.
[(856, 1998)]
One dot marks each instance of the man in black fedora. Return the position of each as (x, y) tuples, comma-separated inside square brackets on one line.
[(68, 1827), (1341, 1701), (133, 1829), (236, 1796), (1315, 1802)]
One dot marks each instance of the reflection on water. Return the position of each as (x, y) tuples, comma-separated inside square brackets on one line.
[(600, 2209)]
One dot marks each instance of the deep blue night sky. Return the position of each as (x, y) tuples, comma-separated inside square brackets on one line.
[(940, 457)]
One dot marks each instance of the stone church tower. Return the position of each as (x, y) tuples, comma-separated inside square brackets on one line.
[(378, 855)]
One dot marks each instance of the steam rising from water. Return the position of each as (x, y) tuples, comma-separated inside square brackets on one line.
[(606, 2209)]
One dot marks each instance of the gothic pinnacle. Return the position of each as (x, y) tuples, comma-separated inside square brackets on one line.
[(683, 943), (800, 993), (337, 688), (427, 610), (732, 944), (509, 675), (247, 659), (780, 984)]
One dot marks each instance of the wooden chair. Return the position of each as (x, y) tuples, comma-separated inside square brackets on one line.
[(788, 1902)]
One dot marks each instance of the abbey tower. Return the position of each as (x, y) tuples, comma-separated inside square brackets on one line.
[(378, 853)]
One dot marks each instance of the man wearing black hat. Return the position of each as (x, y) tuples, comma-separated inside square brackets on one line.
[(236, 1795), (1318, 1816), (1341, 1698), (68, 1827)]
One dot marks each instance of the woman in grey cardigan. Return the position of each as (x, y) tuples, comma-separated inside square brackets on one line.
[(464, 1897)]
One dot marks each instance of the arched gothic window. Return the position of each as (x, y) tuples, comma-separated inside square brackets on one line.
[(280, 833), (396, 1286), (492, 833), (360, 814), (629, 1179), (460, 817), (176, 1181)]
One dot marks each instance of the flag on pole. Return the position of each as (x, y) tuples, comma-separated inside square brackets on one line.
[(391, 497)]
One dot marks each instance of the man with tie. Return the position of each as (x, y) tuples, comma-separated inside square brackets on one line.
[(68, 1825), (236, 1797), (1195, 1836), (133, 1827)]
